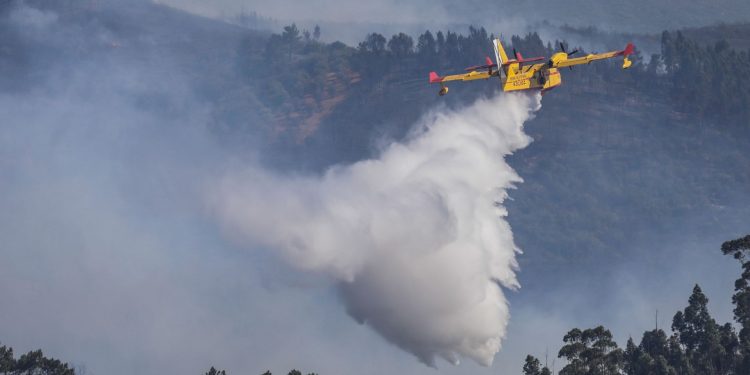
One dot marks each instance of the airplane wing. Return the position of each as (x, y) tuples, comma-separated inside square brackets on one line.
[(594, 57), (471, 76), (534, 67)]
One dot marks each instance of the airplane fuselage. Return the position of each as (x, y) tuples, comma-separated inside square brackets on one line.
[(530, 77)]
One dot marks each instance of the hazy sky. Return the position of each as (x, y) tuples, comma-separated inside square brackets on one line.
[(387, 11), (636, 16)]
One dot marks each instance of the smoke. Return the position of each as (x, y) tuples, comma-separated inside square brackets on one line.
[(416, 239), (642, 15), (324, 10)]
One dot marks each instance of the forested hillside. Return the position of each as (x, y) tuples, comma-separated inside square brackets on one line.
[(308, 84), (616, 153), (650, 16), (737, 35)]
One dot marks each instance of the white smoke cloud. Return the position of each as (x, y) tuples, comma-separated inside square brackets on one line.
[(643, 15), (416, 239), (391, 11)]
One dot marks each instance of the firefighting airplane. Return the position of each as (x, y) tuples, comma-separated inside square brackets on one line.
[(516, 76)]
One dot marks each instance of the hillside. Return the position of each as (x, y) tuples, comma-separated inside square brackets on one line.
[(619, 157), (736, 34), (652, 16)]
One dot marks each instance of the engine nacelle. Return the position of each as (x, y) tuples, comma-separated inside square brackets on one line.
[(626, 63), (557, 58)]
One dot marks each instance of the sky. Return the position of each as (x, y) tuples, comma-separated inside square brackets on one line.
[(134, 242), (636, 16)]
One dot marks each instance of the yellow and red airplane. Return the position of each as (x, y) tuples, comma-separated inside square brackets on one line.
[(516, 76)]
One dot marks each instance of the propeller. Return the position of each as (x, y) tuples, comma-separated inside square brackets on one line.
[(562, 47)]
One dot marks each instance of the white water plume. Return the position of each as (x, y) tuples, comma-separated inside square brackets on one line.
[(416, 238)]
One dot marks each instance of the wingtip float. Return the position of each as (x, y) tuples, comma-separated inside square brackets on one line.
[(515, 76)]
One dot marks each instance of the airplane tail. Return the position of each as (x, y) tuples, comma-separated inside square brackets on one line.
[(500, 56), (629, 49), (435, 78)]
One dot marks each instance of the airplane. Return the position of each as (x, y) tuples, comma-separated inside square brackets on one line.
[(515, 76)]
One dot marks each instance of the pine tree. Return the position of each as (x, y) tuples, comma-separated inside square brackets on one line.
[(739, 249), (701, 337), (426, 46), (316, 33), (632, 358), (401, 45), (291, 38), (531, 366), (7, 362)]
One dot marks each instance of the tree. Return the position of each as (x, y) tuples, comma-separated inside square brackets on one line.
[(452, 51), (426, 45), (532, 366), (730, 344), (295, 372), (739, 249), (474, 45), (291, 34), (633, 358), (275, 49), (654, 343), (701, 337), (371, 57), (530, 45), (291, 38), (677, 357), (316, 33), (374, 43), (572, 351), (401, 45), (214, 371), (694, 323), (591, 352), (668, 52), (34, 362), (650, 357), (440, 41), (7, 362)]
